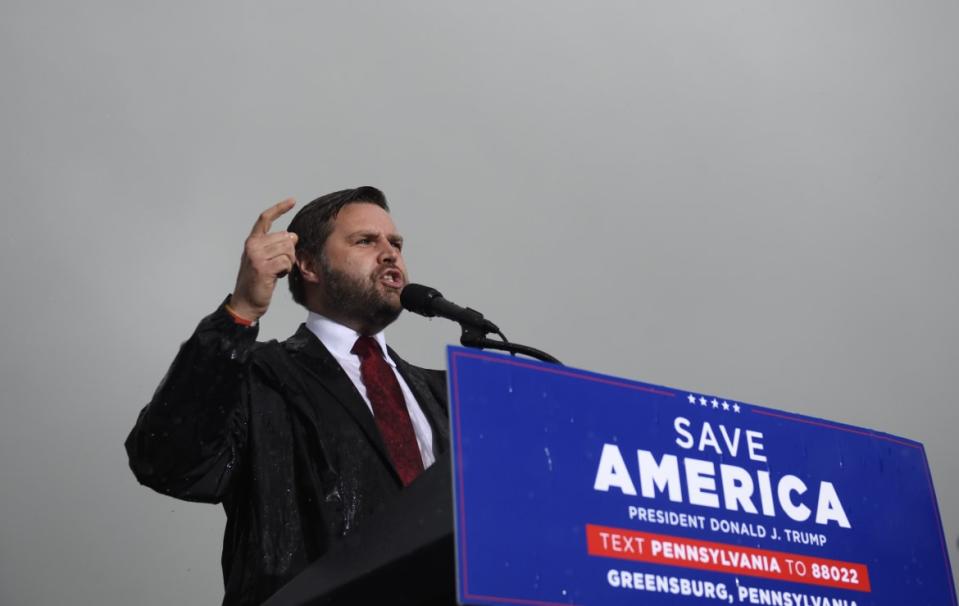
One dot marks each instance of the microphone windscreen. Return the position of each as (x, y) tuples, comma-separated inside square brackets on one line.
[(416, 298)]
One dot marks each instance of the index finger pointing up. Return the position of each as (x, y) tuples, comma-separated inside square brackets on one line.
[(268, 216)]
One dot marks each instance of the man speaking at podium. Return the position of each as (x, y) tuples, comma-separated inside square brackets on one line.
[(301, 441)]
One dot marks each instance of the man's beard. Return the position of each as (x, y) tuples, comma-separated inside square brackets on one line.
[(358, 298)]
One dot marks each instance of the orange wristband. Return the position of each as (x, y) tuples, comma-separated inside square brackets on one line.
[(237, 317)]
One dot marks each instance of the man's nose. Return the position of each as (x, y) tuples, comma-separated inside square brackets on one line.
[(387, 252)]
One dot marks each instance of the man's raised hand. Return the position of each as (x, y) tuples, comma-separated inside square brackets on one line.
[(266, 258)]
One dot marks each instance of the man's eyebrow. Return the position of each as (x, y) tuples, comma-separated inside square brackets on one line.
[(363, 232), (373, 232)]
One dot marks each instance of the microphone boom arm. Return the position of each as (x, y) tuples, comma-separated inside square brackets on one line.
[(476, 338)]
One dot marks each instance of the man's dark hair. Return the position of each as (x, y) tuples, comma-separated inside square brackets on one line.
[(314, 222)]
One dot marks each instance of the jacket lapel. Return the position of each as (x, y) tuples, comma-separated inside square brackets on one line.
[(434, 410), (313, 357)]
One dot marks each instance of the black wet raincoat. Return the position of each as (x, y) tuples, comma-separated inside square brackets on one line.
[(278, 434)]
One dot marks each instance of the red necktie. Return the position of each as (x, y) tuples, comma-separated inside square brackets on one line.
[(389, 409)]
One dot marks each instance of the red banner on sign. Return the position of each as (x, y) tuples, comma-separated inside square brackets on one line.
[(626, 544)]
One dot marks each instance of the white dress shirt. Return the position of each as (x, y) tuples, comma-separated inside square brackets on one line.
[(339, 340)]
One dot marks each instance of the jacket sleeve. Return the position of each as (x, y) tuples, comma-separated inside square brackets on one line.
[(188, 442)]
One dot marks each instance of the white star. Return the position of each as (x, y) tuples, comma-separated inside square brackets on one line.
[(715, 403), (702, 400), (725, 405), (736, 407), (692, 399)]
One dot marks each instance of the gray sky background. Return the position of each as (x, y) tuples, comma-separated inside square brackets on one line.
[(751, 199)]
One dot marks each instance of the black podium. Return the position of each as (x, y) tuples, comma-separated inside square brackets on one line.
[(402, 556)]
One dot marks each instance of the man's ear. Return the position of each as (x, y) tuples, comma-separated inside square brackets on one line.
[(307, 267)]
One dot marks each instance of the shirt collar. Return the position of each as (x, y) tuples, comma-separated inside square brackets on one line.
[(339, 339)]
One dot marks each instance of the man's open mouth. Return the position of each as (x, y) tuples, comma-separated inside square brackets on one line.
[(392, 278)]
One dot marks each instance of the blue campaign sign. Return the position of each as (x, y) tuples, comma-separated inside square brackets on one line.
[(573, 487)]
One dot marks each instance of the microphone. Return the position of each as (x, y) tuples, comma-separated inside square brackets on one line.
[(429, 302)]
